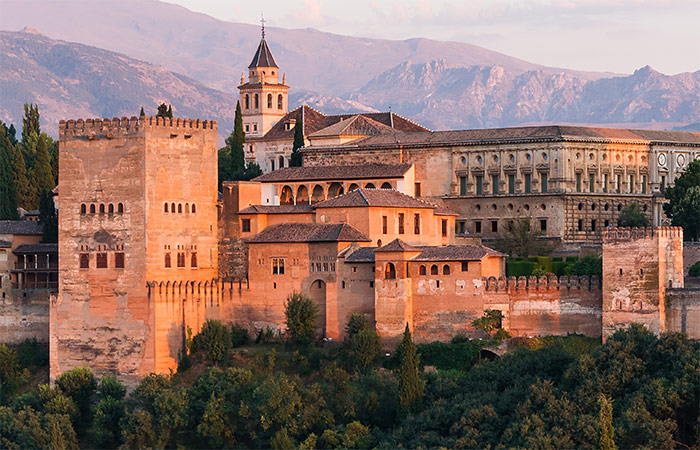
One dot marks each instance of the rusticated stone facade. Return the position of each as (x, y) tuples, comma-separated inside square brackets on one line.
[(138, 204)]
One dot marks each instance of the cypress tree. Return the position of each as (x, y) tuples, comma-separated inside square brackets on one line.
[(162, 110), (605, 426), (47, 217), (30, 121), (410, 384), (296, 160), (12, 134), (8, 193), (22, 186), (235, 144), (170, 112), (142, 113), (42, 175)]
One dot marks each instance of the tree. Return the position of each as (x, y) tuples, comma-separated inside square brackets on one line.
[(235, 143), (48, 218), (296, 160), (79, 384), (301, 314), (30, 121), (605, 426), (25, 194), (683, 207), (142, 113), (632, 216), (8, 192), (489, 322), (214, 339), (165, 111), (518, 240), (366, 345), (410, 384)]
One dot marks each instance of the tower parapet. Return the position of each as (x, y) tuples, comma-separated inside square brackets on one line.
[(127, 125)]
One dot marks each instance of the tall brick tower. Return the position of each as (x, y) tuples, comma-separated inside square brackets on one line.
[(639, 264), (138, 204), (263, 98)]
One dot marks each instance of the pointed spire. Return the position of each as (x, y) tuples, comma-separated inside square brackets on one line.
[(263, 57)]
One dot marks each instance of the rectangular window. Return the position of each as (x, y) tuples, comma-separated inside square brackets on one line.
[(272, 164), (460, 227), (477, 226), (247, 128), (102, 260), (618, 183), (325, 267), (591, 182), (580, 224), (416, 224), (543, 225), (255, 128), (605, 182), (416, 190), (167, 260), (465, 266), (444, 227), (494, 226), (644, 184), (631, 186), (119, 260), (277, 266), (318, 267), (494, 184), (84, 260), (593, 225), (384, 224), (663, 183), (578, 182), (528, 183), (193, 260), (371, 284), (607, 223), (511, 184), (181, 259), (401, 230), (479, 185), (545, 181), (462, 185), (245, 225)]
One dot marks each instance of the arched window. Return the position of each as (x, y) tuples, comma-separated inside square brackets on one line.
[(179, 208), (269, 101), (187, 208), (302, 195), (317, 194), (194, 208), (120, 208), (335, 189), (92, 209), (286, 197), (281, 160), (165, 207), (369, 186), (434, 269), (353, 187), (256, 101), (83, 209), (389, 272), (386, 185), (110, 209), (445, 269), (422, 271), (102, 208), (172, 207), (280, 101), (247, 101)]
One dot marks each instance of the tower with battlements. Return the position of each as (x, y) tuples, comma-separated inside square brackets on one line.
[(138, 205)]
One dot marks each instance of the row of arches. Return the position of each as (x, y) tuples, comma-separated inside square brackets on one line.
[(256, 101), (318, 193), (178, 209), (102, 208), (390, 270)]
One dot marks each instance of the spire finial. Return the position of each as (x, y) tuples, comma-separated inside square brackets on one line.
[(262, 25)]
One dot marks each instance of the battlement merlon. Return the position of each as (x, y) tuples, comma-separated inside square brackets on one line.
[(613, 235), (130, 126)]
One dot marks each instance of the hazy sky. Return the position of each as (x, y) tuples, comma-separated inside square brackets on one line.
[(599, 35)]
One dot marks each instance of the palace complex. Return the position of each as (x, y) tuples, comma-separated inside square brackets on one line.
[(385, 218)]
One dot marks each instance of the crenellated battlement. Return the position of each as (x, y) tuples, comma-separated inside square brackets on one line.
[(613, 235), (128, 126), (543, 283)]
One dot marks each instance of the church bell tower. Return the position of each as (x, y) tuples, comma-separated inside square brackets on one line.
[(263, 98)]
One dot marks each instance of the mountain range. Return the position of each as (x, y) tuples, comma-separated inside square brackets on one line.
[(115, 56)]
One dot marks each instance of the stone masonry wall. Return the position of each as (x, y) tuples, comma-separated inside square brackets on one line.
[(25, 318)]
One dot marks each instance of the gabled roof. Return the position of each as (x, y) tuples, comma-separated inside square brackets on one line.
[(319, 173), (309, 232), (364, 197), (456, 253), (35, 248), (281, 209), (362, 254), (24, 227), (397, 245), (353, 126), (263, 56)]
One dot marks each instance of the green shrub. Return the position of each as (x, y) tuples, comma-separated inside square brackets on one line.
[(519, 268), (545, 262), (558, 268), (556, 258), (366, 345), (694, 270), (111, 387), (489, 322), (79, 384), (459, 356), (356, 323), (587, 265), (239, 335), (301, 314), (214, 340), (571, 259)]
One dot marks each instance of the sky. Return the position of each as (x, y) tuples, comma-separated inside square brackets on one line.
[(597, 35)]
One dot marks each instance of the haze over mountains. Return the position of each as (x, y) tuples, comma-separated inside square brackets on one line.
[(439, 84)]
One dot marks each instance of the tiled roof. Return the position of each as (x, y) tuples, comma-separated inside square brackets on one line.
[(5, 244), (362, 254), (25, 227), (397, 245), (359, 172), (354, 126), (263, 56), (363, 197), (455, 253), (281, 209), (519, 134), (391, 120), (36, 248), (309, 232)]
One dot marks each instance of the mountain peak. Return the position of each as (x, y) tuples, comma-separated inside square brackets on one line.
[(30, 30)]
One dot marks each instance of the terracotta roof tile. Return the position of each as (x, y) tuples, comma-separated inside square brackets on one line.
[(319, 173), (309, 232), (25, 227), (354, 126), (281, 209), (364, 197), (362, 254), (455, 253), (397, 245), (263, 56), (36, 248)]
